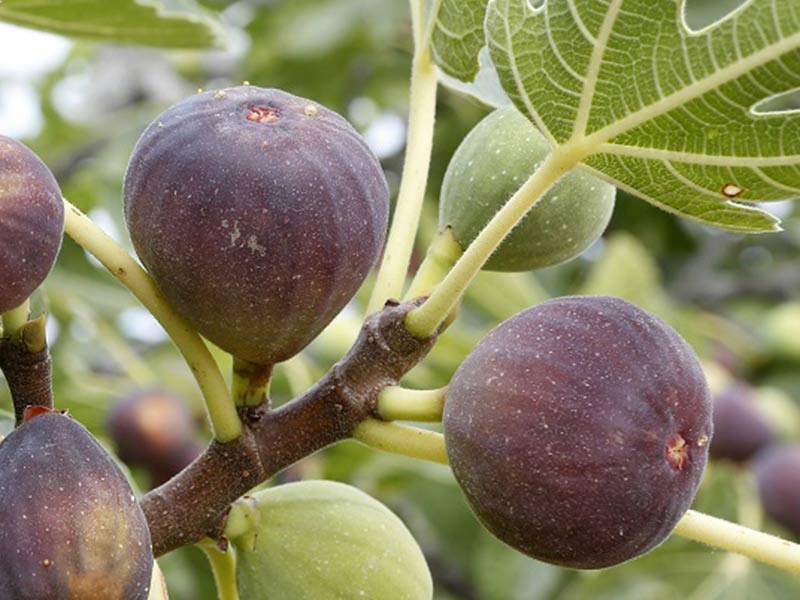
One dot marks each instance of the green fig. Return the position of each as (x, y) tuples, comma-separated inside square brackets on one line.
[(492, 163), (321, 540)]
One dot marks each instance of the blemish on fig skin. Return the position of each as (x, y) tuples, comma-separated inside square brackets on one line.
[(731, 190), (263, 114), (677, 452), (311, 110)]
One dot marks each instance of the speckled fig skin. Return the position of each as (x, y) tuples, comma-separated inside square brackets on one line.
[(490, 165), (31, 222), (71, 527), (258, 213), (559, 426)]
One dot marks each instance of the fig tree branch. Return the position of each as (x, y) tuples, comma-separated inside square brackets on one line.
[(193, 505), (221, 409), (25, 362)]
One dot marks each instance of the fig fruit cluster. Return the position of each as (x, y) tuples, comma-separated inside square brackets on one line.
[(258, 214), (579, 430), (71, 526), (31, 222), (492, 162), (322, 539)]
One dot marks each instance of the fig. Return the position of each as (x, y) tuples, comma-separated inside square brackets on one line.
[(777, 470), (31, 222), (258, 214), (578, 430), (71, 526), (740, 430), (156, 430), (321, 539), (492, 163)]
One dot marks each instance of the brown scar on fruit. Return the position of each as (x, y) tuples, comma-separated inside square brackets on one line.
[(731, 190), (263, 114), (677, 452)]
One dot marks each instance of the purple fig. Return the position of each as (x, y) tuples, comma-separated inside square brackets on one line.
[(579, 430), (70, 526), (258, 214), (777, 469), (740, 430), (31, 222), (156, 430)]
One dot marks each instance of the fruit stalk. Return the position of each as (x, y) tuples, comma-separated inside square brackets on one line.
[(15, 318), (25, 362), (402, 439), (223, 566), (444, 298), (194, 503), (736, 538), (421, 118), (401, 404), (442, 254), (221, 409)]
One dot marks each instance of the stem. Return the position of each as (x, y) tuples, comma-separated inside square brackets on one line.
[(194, 503), (400, 404), (250, 383), (447, 294), (402, 439), (223, 565), (25, 362), (16, 318), (222, 413), (421, 117), (442, 254), (757, 545)]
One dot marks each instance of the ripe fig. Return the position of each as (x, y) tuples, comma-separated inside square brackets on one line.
[(258, 214), (321, 539), (777, 469), (578, 430), (31, 222), (740, 430), (71, 526), (156, 430), (492, 162)]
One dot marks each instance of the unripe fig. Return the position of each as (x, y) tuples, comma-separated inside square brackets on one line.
[(492, 163), (31, 222), (71, 526), (258, 214), (321, 539), (740, 430), (156, 430), (777, 469), (579, 429)]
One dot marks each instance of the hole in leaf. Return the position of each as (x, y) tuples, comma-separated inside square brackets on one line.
[(783, 102), (699, 14)]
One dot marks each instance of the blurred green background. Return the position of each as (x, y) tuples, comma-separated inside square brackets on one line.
[(82, 106)]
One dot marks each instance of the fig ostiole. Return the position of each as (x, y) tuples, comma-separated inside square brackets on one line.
[(579, 430), (490, 165), (70, 526), (320, 539), (31, 222), (258, 214)]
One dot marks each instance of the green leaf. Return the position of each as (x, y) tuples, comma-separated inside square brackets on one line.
[(120, 21), (662, 111), (457, 36)]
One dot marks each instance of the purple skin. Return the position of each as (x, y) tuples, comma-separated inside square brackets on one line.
[(31, 222), (258, 214), (72, 529), (579, 430), (739, 429), (777, 469), (155, 430)]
